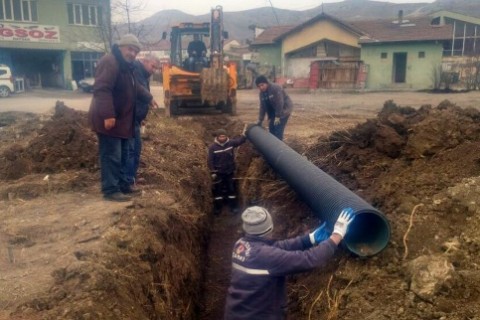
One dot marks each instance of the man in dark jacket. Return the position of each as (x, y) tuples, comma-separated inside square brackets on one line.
[(275, 102), (221, 162), (112, 112), (259, 264), (144, 68), (197, 55)]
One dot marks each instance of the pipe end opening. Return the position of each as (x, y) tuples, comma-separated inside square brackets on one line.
[(368, 234)]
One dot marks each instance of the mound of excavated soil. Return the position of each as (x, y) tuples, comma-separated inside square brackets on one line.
[(63, 143), (407, 163), (404, 153)]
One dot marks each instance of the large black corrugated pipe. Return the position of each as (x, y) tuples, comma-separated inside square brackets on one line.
[(369, 232)]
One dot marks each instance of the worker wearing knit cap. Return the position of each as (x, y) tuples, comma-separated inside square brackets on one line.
[(260, 264), (130, 40), (221, 162), (111, 115), (276, 104)]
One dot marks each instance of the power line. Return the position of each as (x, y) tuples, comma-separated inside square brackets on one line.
[(274, 12)]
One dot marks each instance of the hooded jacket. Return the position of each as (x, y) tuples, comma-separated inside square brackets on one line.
[(221, 156), (275, 102), (259, 267), (114, 94)]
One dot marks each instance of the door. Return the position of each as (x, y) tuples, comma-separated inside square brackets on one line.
[(78, 70), (399, 67)]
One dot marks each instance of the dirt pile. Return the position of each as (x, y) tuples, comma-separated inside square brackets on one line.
[(407, 163), (62, 143), (403, 153)]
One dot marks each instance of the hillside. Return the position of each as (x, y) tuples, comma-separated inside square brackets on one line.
[(237, 22)]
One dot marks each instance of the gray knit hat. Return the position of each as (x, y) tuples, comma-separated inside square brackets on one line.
[(257, 221), (129, 40)]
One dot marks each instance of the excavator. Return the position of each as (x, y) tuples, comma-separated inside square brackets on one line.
[(197, 77)]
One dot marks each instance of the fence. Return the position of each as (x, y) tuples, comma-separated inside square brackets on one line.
[(335, 75)]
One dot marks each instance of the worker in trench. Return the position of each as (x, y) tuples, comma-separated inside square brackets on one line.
[(260, 264), (221, 162)]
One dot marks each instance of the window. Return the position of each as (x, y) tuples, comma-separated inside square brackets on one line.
[(383, 55), (421, 54), (18, 10), (84, 63), (86, 15)]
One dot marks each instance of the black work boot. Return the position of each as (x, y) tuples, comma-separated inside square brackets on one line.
[(131, 191), (233, 205), (117, 197), (217, 207)]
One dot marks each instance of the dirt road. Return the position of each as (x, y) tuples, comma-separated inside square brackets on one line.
[(326, 102)]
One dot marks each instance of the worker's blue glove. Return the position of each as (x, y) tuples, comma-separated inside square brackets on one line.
[(344, 219), (320, 234), (276, 122)]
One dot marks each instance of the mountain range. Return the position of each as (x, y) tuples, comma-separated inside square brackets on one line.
[(238, 23)]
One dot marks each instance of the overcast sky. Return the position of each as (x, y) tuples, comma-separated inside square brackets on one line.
[(198, 7)]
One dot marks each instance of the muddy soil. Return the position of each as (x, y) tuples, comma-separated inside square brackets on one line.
[(67, 254)]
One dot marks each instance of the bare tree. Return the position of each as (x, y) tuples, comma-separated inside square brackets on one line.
[(105, 30), (126, 12), (126, 15)]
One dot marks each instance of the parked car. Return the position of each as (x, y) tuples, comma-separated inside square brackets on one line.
[(86, 84), (7, 83)]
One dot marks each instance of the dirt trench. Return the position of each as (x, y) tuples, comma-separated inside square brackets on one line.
[(92, 259), (70, 255)]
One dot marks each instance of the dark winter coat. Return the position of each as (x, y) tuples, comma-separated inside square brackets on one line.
[(114, 94), (143, 78), (259, 266), (274, 102), (221, 156)]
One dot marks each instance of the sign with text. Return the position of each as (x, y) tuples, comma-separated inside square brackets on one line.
[(29, 33)]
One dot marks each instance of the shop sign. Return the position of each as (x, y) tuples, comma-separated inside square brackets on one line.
[(29, 33)]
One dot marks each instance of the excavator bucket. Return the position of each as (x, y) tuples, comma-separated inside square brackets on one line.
[(215, 86)]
